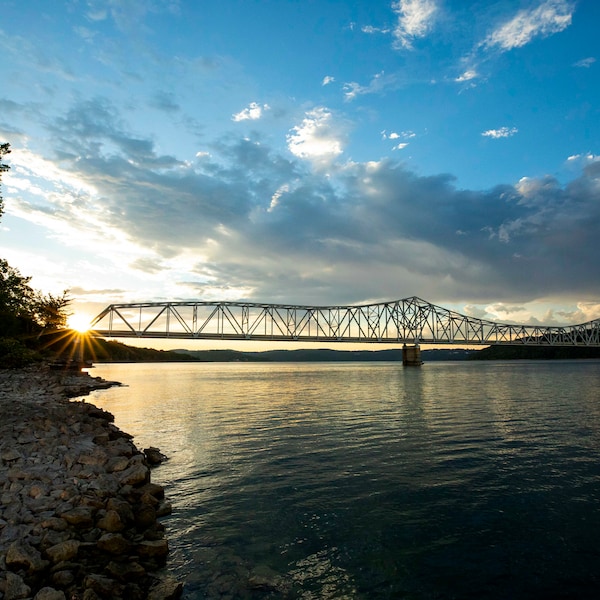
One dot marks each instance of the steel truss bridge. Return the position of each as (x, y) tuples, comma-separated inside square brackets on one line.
[(407, 321)]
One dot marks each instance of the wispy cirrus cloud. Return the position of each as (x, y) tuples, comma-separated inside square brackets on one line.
[(415, 19), (585, 63), (550, 17), (378, 83)]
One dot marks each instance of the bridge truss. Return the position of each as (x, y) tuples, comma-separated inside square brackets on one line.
[(407, 321)]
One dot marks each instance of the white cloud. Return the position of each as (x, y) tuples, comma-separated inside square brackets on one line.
[(503, 132), (415, 18), (466, 76), (589, 157), (252, 112), (370, 29), (585, 63), (400, 146), (406, 135), (277, 195), (551, 16), (327, 80), (316, 137), (377, 84)]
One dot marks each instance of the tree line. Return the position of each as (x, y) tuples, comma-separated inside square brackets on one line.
[(25, 313)]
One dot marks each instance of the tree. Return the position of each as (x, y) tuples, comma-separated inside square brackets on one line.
[(16, 297), (49, 311), (4, 149)]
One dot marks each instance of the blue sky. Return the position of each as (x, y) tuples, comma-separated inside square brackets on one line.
[(318, 152)]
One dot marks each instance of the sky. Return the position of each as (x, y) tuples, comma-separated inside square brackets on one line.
[(320, 152)]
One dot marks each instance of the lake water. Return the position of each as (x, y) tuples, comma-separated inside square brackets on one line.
[(370, 480)]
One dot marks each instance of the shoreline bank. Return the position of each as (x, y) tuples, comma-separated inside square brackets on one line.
[(79, 514)]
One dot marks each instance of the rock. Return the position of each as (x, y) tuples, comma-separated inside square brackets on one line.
[(122, 507), (154, 456), (37, 490), (63, 578), (96, 458), (55, 523), (125, 571), (10, 454), (113, 543), (135, 475), (78, 509), (153, 549), (111, 522), (167, 588), (164, 509), (117, 463), (154, 490), (48, 593), (63, 551), (15, 587), (23, 556), (81, 516), (145, 517), (103, 586)]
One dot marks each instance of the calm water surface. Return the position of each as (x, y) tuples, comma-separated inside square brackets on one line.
[(370, 480)]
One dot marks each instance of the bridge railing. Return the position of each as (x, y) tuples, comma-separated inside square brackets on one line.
[(411, 321)]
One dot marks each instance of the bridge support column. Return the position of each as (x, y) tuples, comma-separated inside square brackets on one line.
[(411, 356)]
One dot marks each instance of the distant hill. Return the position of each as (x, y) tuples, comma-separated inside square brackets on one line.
[(111, 351), (534, 353), (321, 355)]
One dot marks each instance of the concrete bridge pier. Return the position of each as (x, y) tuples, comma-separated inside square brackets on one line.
[(411, 356)]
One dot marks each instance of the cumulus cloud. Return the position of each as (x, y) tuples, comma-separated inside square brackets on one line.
[(583, 159), (317, 137), (415, 19), (503, 132), (548, 18), (252, 112)]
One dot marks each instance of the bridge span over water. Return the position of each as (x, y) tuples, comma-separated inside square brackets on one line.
[(408, 321)]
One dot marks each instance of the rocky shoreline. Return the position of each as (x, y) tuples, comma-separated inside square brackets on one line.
[(78, 511)]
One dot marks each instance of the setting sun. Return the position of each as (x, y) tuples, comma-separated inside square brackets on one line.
[(79, 322)]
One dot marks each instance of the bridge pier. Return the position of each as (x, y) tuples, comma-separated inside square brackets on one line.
[(411, 356)]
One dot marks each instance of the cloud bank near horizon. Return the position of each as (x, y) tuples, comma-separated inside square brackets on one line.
[(306, 224)]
